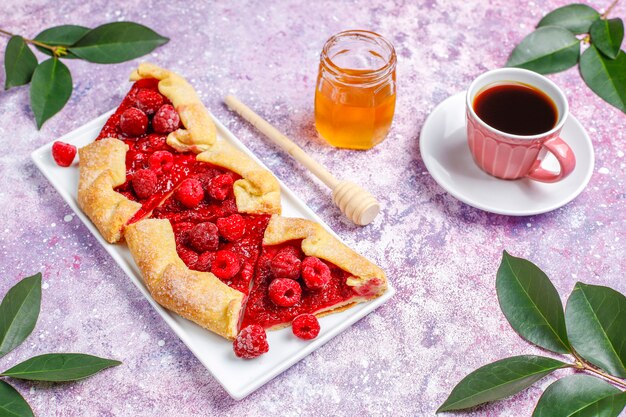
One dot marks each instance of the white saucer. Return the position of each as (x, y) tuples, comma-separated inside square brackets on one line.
[(444, 149)]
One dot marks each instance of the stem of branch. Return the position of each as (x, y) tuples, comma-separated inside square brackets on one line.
[(585, 366), (606, 13), (56, 50)]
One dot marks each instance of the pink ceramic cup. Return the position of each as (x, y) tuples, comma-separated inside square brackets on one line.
[(509, 156)]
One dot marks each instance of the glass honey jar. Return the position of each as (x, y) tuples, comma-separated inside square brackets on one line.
[(355, 96)]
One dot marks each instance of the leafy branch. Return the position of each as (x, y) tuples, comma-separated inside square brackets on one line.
[(557, 42), (51, 81), (19, 311), (591, 330)]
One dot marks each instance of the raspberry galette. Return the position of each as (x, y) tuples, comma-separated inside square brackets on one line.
[(202, 220)]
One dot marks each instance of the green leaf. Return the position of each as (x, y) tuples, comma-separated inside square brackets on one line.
[(56, 367), (12, 404), (498, 380), (546, 50), (596, 326), (50, 89), (18, 313), (19, 63), (607, 36), (576, 18), (580, 396), (531, 304), (64, 35), (117, 42), (606, 77)]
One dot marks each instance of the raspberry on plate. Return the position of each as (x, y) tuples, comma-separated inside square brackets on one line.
[(63, 153), (251, 342), (166, 119), (220, 186), (161, 161), (284, 292), (133, 122), (285, 264), (148, 101), (315, 273), (305, 326), (190, 193), (203, 237), (226, 264), (144, 183), (232, 227)]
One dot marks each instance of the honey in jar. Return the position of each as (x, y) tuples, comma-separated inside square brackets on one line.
[(355, 96)]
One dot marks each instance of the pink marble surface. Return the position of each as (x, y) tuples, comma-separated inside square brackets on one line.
[(440, 254)]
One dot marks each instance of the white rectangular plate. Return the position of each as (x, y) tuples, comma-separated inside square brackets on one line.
[(238, 377)]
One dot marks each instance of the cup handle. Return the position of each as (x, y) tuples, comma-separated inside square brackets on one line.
[(563, 154)]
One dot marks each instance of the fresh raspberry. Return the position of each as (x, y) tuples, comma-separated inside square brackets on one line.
[(226, 264), (284, 292), (285, 264), (189, 257), (133, 122), (205, 261), (63, 153), (190, 193), (315, 273), (166, 119), (144, 183), (161, 161), (251, 342), (220, 186), (232, 227), (148, 101), (305, 326), (203, 237)]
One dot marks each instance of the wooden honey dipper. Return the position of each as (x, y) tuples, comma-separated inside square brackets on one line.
[(355, 202)]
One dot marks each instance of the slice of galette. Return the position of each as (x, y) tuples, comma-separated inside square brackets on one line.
[(148, 147)]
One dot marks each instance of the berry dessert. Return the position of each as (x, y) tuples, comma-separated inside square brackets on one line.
[(201, 220)]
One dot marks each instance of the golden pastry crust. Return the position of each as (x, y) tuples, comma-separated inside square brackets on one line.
[(368, 280), (199, 131), (102, 168), (198, 296)]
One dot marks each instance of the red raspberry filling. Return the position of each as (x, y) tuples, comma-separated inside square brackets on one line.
[(226, 265), (284, 292), (161, 161), (148, 101), (63, 153), (189, 257), (232, 228), (190, 193), (286, 264), (220, 186), (203, 237), (305, 326), (251, 342), (133, 122), (166, 119), (205, 261), (144, 183), (315, 273)]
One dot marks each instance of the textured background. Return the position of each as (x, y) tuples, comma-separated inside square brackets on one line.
[(440, 254)]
